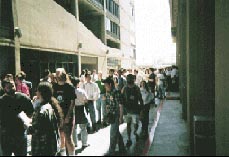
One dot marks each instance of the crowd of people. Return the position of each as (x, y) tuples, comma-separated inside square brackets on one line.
[(63, 103)]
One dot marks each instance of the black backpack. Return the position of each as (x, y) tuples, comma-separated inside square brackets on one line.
[(131, 98)]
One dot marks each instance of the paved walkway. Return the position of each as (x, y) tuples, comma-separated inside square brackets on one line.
[(167, 134), (170, 138)]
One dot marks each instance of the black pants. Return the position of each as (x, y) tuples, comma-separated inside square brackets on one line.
[(145, 118), (14, 144)]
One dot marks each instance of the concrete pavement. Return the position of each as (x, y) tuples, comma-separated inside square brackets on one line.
[(167, 134), (171, 137)]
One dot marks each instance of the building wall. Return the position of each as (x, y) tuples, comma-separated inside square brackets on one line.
[(222, 76), (46, 25), (127, 29)]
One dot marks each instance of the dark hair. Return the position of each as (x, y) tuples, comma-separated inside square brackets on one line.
[(111, 70), (87, 74), (75, 81), (146, 85), (46, 91), (19, 76), (23, 74), (6, 81), (109, 81), (46, 72)]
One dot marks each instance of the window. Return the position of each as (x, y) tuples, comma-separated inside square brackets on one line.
[(108, 24), (6, 19), (112, 7)]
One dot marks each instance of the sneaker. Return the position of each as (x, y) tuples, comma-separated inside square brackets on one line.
[(128, 143), (85, 146)]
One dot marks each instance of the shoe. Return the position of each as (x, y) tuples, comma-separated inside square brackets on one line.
[(85, 146), (128, 143)]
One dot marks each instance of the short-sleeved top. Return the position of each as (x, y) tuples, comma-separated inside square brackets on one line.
[(113, 100), (64, 94), (10, 107), (101, 86)]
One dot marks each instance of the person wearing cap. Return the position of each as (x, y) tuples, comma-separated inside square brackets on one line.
[(114, 110)]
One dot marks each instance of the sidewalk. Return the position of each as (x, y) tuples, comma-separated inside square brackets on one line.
[(170, 138)]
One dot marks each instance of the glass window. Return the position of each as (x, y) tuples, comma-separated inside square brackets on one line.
[(108, 24)]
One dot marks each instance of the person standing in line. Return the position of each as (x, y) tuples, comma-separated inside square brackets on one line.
[(131, 98), (94, 76), (80, 115), (93, 94), (147, 98), (21, 86), (46, 76), (46, 121), (13, 133), (161, 84), (151, 81), (100, 103), (64, 92), (138, 78), (114, 109)]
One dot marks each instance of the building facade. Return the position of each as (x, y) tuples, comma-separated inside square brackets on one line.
[(74, 34), (200, 30)]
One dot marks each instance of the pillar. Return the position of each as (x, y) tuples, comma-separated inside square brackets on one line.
[(181, 47), (222, 77), (16, 39), (200, 60)]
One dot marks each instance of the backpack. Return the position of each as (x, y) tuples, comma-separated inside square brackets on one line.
[(131, 98)]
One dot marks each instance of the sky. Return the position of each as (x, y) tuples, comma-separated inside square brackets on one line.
[(154, 44)]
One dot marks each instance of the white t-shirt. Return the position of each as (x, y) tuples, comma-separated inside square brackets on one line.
[(160, 79), (173, 73), (81, 97)]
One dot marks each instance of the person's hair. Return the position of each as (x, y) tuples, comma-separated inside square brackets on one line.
[(112, 70), (75, 81), (63, 74), (86, 75), (46, 91), (147, 71), (46, 72), (6, 81), (151, 69), (135, 70), (10, 76), (23, 74), (146, 85), (82, 72), (19, 76)]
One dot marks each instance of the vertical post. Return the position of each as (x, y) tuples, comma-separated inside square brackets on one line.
[(16, 39), (78, 48)]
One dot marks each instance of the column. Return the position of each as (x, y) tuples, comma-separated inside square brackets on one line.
[(222, 77), (200, 61), (16, 39)]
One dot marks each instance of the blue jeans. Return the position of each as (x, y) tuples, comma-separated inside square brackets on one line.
[(84, 135), (101, 107), (115, 137), (91, 108)]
